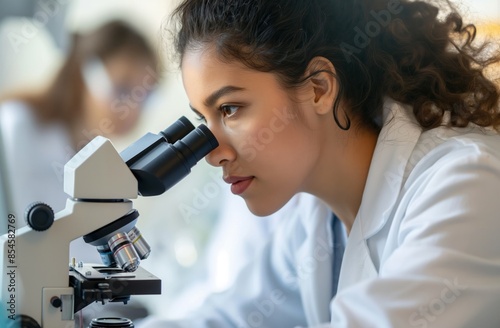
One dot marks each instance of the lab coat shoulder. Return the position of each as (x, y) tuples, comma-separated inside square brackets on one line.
[(456, 173), (450, 196), (436, 258), (450, 220)]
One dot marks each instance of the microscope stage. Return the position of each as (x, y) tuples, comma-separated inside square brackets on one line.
[(97, 283)]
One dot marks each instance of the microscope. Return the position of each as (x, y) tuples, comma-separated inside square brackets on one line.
[(39, 288)]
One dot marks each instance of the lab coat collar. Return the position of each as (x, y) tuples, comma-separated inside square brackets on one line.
[(395, 144)]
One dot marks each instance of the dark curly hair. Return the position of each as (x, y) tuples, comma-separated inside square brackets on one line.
[(402, 49)]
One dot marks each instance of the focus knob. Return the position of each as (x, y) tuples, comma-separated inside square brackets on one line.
[(39, 216), (56, 302)]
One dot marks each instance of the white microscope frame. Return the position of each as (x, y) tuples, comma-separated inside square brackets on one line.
[(100, 186)]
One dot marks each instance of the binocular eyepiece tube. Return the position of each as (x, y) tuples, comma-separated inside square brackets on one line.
[(158, 162)]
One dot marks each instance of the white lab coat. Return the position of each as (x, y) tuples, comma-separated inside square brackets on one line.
[(34, 157), (423, 252)]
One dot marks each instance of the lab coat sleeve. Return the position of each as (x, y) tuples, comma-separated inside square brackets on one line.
[(264, 294), (444, 267)]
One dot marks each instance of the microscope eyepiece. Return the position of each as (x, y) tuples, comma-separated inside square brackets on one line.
[(196, 145), (162, 166), (178, 130)]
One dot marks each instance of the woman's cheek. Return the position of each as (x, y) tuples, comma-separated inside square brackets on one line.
[(248, 152), (245, 143)]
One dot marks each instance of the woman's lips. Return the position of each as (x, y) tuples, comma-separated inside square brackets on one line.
[(239, 184)]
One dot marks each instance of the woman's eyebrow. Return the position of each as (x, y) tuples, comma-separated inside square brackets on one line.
[(212, 99)]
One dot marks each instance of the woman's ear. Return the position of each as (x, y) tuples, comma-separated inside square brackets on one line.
[(323, 84)]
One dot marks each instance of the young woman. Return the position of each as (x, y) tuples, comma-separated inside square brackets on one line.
[(378, 108)]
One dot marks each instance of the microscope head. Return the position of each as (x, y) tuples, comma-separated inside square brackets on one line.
[(157, 162)]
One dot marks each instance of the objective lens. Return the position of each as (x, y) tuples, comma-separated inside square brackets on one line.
[(106, 255), (125, 255), (111, 322), (140, 244)]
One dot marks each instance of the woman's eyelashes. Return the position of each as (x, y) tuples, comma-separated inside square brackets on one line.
[(229, 110), (226, 111), (201, 118)]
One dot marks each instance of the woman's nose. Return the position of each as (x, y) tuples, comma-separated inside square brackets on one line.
[(223, 153)]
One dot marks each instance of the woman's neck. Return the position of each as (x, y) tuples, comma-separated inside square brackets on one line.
[(342, 172)]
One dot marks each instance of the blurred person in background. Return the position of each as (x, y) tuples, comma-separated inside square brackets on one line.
[(99, 90)]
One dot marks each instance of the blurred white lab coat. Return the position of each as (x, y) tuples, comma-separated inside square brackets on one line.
[(34, 157), (423, 251)]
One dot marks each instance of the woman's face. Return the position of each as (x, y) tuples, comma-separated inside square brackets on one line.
[(117, 89), (268, 144)]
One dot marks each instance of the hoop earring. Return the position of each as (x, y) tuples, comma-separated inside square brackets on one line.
[(348, 120), (336, 109)]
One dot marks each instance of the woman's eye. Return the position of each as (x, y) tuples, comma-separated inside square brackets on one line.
[(229, 110)]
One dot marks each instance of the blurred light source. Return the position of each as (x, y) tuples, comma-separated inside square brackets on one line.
[(185, 251), (222, 271)]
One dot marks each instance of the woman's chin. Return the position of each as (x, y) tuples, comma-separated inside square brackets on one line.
[(259, 209)]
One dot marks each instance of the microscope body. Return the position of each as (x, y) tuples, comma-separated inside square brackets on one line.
[(35, 280), (39, 287)]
